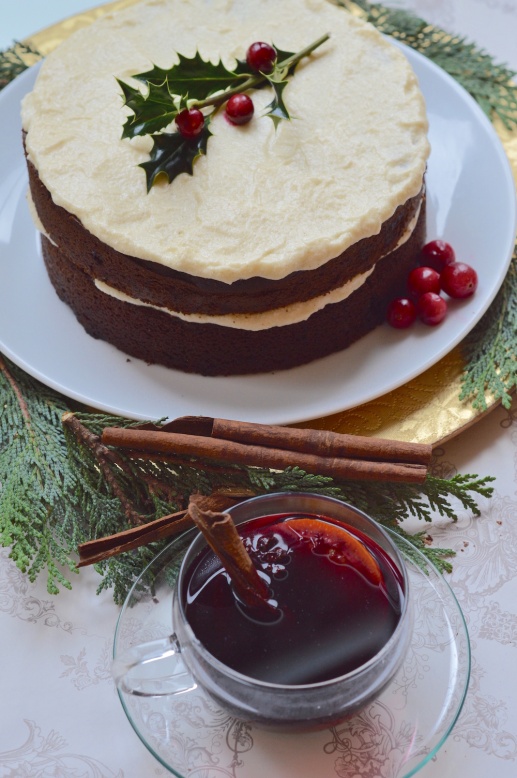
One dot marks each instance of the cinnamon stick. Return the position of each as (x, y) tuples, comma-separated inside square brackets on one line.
[(221, 535), (322, 442), (164, 444), (93, 551)]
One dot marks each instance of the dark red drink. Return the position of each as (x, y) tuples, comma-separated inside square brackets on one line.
[(339, 598)]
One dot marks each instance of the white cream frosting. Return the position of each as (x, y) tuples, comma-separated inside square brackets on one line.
[(277, 317), (261, 202)]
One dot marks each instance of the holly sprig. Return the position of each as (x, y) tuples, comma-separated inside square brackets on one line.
[(197, 83)]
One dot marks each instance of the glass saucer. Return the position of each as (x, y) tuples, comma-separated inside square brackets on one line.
[(394, 737)]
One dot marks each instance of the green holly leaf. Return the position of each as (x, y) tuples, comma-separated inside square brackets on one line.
[(168, 91), (277, 109), (193, 76), (284, 67), (282, 56), (173, 154), (242, 68), (152, 112)]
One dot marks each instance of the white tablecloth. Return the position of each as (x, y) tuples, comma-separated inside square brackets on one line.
[(59, 712)]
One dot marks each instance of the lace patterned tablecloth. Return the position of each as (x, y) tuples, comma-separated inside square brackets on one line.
[(59, 712)]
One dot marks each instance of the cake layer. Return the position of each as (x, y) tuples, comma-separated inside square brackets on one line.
[(211, 349), (264, 202), (163, 287)]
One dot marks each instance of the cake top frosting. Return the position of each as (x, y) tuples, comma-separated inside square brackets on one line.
[(263, 201)]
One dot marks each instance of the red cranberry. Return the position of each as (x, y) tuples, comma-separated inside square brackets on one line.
[(190, 122), (437, 254), (401, 313), (422, 280), (239, 109), (431, 308), (261, 57), (459, 280)]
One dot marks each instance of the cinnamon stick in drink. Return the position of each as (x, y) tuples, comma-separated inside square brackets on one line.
[(93, 551), (221, 535)]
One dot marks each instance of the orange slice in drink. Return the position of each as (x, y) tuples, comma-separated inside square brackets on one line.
[(340, 545)]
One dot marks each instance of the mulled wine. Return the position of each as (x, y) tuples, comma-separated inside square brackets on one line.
[(332, 627), (336, 600)]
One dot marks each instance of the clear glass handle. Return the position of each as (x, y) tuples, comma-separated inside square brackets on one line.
[(153, 669)]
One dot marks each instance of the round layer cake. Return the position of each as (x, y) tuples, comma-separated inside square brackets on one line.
[(285, 244)]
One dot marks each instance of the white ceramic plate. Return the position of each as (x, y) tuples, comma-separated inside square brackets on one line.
[(471, 203)]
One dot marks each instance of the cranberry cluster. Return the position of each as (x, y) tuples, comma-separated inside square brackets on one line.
[(239, 109), (439, 272)]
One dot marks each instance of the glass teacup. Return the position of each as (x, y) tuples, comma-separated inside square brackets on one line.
[(182, 662)]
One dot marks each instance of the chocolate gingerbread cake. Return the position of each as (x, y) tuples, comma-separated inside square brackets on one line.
[(285, 243)]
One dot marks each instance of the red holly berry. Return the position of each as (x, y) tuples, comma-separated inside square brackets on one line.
[(190, 122), (459, 280), (261, 57), (422, 280), (431, 308), (239, 109), (401, 313), (437, 254)]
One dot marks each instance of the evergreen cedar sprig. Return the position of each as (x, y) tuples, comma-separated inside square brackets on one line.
[(195, 83), (388, 504), (490, 349), (37, 488), (15, 60), (59, 488), (54, 493)]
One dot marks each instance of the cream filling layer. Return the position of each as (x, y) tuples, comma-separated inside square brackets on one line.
[(277, 317), (263, 201), (265, 320)]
